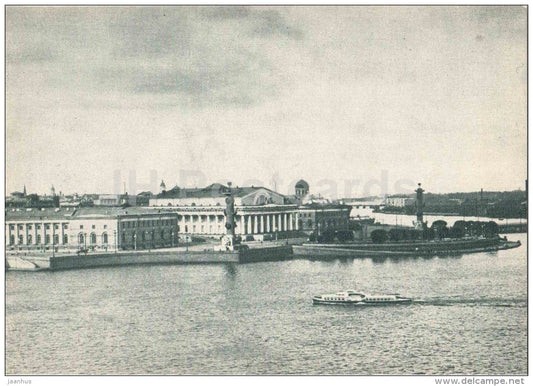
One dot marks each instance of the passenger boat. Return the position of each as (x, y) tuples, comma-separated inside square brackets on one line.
[(360, 299)]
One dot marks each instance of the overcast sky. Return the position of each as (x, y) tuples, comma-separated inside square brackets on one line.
[(339, 96)]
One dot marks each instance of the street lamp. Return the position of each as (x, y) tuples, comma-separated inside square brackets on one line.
[(53, 241)]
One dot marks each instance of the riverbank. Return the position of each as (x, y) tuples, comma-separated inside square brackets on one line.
[(271, 251), (419, 248), (256, 252)]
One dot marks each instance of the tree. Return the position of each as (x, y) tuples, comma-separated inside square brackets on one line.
[(428, 234), (327, 236), (396, 234), (344, 236), (379, 236), (457, 232), (491, 229), (440, 228)]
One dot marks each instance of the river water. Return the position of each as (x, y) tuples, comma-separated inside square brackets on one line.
[(469, 317)]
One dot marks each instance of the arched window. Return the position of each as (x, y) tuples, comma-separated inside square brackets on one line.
[(104, 238), (81, 238), (47, 239), (93, 238)]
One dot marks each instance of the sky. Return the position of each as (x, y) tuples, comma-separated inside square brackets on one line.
[(356, 100)]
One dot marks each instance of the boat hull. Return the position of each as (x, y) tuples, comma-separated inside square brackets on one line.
[(317, 301)]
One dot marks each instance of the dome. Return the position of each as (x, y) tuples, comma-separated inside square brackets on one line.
[(302, 185)]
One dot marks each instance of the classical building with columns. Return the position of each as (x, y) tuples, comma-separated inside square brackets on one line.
[(90, 228), (259, 210), (171, 215)]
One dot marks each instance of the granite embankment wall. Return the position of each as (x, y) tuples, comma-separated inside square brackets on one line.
[(255, 255), (29, 263), (190, 257), (403, 249)]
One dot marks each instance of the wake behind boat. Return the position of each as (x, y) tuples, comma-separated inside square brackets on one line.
[(360, 299)]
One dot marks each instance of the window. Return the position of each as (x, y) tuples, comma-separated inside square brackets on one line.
[(93, 238), (104, 238), (30, 227), (93, 226), (30, 239), (21, 227), (21, 239), (56, 226), (47, 239), (65, 239), (47, 226), (65, 226), (38, 227), (81, 226), (11, 239), (81, 238), (105, 226), (38, 239), (56, 239), (11, 227)]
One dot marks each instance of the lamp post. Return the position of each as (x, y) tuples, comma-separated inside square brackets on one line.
[(53, 240)]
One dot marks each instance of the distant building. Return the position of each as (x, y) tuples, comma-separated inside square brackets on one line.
[(24, 200), (399, 201), (143, 198), (115, 200)]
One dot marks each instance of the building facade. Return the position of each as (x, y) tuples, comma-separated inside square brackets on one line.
[(98, 229), (259, 210)]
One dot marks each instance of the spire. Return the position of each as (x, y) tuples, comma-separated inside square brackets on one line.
[(53, 191), (24, 191)]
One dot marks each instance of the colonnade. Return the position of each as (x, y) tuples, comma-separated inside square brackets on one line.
[(258, 223), (252, 223)]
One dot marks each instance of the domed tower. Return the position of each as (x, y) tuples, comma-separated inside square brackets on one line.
[(301, 189)]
